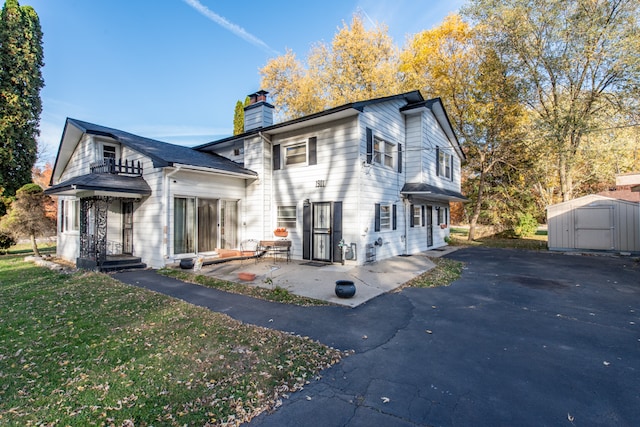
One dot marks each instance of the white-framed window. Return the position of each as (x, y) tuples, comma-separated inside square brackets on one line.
[(443, 215), (287, 217), (385, 217), (416, 212), (70, 215), (382, 152), (445, 164), (295, 154), (300, 153)]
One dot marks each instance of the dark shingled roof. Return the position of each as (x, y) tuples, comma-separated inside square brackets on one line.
[(164, 154), (409, 97), (106, 182), (431, 190)]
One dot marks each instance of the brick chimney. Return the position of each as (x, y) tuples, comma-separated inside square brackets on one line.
[(259, 113)]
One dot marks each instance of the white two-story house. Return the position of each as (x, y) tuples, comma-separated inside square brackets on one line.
[(356, 183)]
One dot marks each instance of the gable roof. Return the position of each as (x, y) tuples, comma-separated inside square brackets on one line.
[(335, 113), (162, 154)]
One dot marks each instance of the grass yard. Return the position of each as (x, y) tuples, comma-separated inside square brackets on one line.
[(536, 242), (83, 349)]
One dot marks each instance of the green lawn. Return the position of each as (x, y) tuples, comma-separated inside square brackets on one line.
[(83, 349), (536, 242)]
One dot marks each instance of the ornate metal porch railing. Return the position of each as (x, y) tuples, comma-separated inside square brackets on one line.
[(116, 167)]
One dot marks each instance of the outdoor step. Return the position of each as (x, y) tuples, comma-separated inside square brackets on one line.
[(121, 261), (110, 267)]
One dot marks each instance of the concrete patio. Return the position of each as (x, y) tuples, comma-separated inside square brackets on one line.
[(317, 280)]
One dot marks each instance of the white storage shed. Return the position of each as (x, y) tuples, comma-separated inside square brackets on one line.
[(595, 223)]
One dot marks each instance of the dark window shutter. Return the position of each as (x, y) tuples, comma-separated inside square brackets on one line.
[(411, 219), (423, 217), (437, 161), (306, 231), (62, 203), (312, 150), (399, 158), (336, 231), (276, 157), (369, 145), (377, 221), (394, 218), (451, 167)]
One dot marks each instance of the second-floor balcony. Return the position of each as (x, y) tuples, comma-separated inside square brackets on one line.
[(117, 167)]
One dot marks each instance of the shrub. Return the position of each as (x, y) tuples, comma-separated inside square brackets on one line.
[(526, 225), (6, 240)]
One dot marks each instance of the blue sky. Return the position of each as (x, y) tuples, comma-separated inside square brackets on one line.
[(173, 69)]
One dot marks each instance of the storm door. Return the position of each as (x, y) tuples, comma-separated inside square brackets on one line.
[(127, 228), (322, 231), (429, 226)]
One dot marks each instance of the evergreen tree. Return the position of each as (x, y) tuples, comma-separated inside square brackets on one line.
[(238, 116), (21, 60)]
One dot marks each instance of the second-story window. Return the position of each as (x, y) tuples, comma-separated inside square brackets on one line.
[(382, 152), (296, 154), (445, 163), (109, 152)]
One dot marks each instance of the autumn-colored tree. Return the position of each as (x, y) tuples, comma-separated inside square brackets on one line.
[(359, 64), (576, 59), (26, 217), (42, 177), (482, 99)]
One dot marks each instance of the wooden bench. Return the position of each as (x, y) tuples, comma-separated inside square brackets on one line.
[(277, 247)]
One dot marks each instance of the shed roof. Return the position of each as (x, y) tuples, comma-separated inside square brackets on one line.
[(102, 184)]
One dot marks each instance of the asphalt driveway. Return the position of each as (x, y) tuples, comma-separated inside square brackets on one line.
[(523, 338)]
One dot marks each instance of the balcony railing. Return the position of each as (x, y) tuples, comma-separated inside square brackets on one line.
[(116, 167)]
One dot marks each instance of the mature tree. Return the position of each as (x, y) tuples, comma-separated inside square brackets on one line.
[(238, 116), (577, 59), (42, 177), (482, 99), (359, 64), (21, 60), (27, 216)]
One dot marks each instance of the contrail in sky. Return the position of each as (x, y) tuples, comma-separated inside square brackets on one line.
[(235, 29)]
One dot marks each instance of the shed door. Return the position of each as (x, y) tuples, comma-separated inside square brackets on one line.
[(594, 227)]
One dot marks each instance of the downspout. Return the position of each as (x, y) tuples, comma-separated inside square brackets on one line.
[(167, 204), (264, 166)]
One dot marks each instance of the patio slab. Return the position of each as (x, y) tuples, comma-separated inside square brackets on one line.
[(317, 280)]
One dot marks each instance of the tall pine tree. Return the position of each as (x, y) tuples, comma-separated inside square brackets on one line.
[(21, 61)]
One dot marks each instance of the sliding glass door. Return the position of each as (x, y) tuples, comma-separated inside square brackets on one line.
[(213, 224), (207, 225)]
